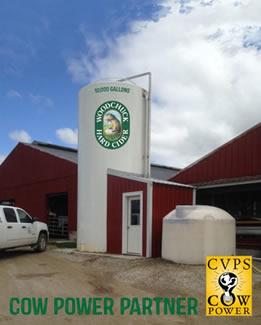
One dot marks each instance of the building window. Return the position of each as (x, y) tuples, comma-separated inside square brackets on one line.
[(135, 212)]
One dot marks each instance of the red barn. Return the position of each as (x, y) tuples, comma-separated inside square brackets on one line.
[(230, 178), (42, 179)]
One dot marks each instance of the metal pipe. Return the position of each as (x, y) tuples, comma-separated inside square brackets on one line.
[(147, 120), (194, 195), (136, 76)]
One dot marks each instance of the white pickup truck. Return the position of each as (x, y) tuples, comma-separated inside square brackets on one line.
[(18, 229)]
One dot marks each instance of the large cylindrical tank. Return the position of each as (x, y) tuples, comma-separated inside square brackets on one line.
[(112, 134), (190, 233)]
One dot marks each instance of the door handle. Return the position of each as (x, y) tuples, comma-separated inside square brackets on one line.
[(23, 227), (9, 227)]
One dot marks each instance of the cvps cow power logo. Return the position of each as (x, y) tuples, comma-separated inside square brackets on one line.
[(229, 286), (112, 125)]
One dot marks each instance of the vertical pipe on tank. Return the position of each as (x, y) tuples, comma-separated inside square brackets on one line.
[(148, 122), (147, 119)]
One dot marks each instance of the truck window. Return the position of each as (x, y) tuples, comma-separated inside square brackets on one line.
[(10, 215), (24, 218)]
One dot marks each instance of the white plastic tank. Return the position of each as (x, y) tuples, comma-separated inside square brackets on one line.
[(190, 233), (113, 122)]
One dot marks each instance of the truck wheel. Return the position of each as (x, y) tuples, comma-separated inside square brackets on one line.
[(41, 243)]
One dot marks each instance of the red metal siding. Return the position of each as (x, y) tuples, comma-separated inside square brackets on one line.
[(28, 175), (165, 199), (116, 186), (238, 158)]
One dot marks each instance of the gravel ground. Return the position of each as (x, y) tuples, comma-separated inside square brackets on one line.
[(66, 273)]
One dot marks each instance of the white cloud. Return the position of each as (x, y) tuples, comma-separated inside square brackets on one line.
[(20, 136), (14, 94), (86, 67), (2, 158), (206, 70), (68, 136), (40, 100), (35, 99)]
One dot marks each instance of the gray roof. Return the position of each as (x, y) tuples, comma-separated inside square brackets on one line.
[(163, 172), (71, 154), (66, 153)]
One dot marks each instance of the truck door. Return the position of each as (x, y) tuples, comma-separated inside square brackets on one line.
[(27, 233), (2, 231), (10, 228)]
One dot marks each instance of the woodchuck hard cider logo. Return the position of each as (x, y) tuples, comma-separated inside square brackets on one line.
[(112, 125), (229, 286)]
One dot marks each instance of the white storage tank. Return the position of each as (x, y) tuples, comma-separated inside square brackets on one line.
[(113, 133), (190, 233)]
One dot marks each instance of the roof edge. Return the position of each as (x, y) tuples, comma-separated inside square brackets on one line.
[(164, 166), (54, 146), (140, 178), (217, 149), (29, 145)]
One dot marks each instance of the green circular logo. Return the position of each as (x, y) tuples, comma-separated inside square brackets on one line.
[(112, 125)]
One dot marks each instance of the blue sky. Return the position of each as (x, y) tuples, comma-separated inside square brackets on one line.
[(37, 93), (204, 55)]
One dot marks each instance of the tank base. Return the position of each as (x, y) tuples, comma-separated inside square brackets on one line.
[(88, 248)]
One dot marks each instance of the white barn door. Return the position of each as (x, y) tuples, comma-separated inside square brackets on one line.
[(132, 223)]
